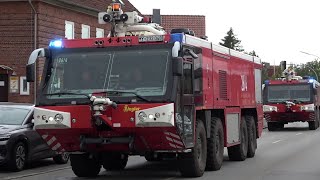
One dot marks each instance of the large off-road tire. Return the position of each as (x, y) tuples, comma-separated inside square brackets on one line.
[(193, 164), (239, 152), (62, 158), (312, 125), (115, 161), (252, 136), (85, 166), (18, 157), (215, 145), (273, 126), (317, 119)]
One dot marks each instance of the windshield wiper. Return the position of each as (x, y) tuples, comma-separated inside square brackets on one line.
[(130, 92), (66, 93), (297, 101)]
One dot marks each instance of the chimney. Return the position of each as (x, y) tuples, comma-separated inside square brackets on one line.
[(156, 17)]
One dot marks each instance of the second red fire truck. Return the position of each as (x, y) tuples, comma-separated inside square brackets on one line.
[(290, 99), (142, 91)]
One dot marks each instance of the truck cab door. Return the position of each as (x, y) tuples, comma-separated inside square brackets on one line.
[(186, 109)]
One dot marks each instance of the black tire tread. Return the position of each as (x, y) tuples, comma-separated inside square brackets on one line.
[(272, 126), (235, 153), (12, 162), (115, 162), (188, 165), (312, 125), (82, 166), (214, 163), (252, 136), (58, 159)]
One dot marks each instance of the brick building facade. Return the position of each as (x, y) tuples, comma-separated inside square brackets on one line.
[(25, 26), (195, 23)]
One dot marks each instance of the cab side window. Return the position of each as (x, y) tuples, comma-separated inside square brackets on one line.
[(187, 74)]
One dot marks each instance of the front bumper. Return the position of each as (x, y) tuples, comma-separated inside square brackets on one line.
[(128, 128), (129, 140), (286, 117)]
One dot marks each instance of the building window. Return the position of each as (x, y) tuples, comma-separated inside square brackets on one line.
[(69, 30), (99, 33), (85, 32), (24, 86)]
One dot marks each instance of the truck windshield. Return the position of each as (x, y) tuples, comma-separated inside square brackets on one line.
[(282, 93), (143, 72)]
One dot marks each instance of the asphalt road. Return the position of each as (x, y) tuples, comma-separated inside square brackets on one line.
[(291, 154)]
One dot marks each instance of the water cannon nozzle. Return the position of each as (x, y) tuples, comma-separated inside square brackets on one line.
[(124, 17), (107, 18)]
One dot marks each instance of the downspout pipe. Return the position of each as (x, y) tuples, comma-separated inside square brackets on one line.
[(35, 47)]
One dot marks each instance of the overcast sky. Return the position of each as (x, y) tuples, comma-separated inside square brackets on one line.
[(276, 29)]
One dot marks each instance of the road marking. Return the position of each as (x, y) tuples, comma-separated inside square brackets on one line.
[(298, 134), (35, 174), (276, 141)]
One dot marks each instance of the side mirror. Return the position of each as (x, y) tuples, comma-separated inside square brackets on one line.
[(41, 52), (31, 124), (30, 73), (177, 66), (191, 53)]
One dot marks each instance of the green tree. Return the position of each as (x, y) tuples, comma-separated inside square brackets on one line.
[(278, 73), (308, 69), (270, 72), (231, 41)]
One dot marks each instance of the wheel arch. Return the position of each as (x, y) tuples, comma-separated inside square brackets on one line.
[(23, 139)]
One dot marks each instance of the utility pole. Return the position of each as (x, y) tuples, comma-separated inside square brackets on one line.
[(274, 68)]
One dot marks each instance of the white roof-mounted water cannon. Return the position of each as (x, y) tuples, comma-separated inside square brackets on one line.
[(290, 74), (129, 23)]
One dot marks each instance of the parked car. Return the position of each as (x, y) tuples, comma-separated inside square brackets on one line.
[(19, 142)]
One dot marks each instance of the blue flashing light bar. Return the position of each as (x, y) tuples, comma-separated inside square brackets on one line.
[(177, 37), (266, 82), (56, 44), (311, 80)]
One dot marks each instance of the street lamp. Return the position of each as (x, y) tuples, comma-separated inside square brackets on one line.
[(310, 54), (309, 66)]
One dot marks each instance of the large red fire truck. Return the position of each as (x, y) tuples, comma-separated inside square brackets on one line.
[(290, 99), (142, 91)]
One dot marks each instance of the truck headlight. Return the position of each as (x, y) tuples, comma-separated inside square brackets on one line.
[(58, 118), (267, 108), (309, 107), (142, 116), (157, 115), (50, 118)]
